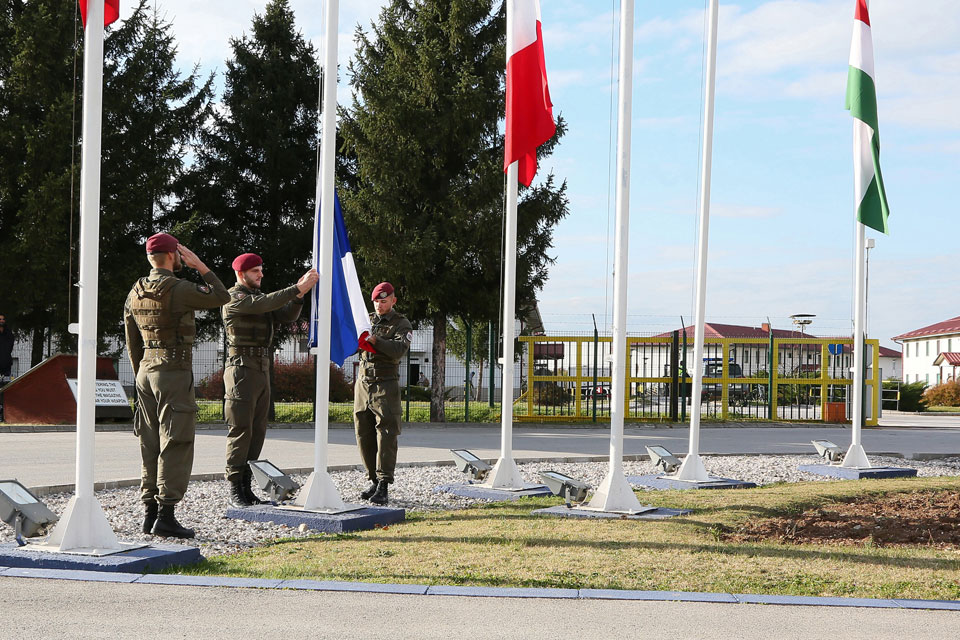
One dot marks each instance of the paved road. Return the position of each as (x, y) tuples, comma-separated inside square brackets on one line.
[(39, 608), (46, 459)]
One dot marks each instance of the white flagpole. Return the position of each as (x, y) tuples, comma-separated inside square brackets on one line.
[(856, 457), (319, 492), (505, 474), (692, 469), (615, 493), (83, 525)]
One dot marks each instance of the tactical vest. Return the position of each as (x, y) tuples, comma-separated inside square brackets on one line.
[(152, 310), (247, 329)]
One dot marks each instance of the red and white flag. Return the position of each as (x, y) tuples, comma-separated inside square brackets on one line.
[(529, 110), (111, 11)]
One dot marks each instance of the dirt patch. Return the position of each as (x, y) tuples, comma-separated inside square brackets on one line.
[(928, 518)]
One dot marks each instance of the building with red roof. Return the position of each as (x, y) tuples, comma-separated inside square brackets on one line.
[(928, 352)]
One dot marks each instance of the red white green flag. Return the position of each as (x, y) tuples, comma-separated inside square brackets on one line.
[(872, 209)]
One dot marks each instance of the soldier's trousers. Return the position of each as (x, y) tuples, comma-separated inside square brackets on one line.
[(165, 423), (246, 404), (376, 419)]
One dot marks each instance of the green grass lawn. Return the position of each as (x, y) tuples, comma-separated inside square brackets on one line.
[(942, 410), (212, 411), (504, 544)]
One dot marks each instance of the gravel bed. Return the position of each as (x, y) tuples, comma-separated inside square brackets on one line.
[(205, 502)]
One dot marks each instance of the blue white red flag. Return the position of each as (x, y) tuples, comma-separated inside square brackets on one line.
[(350, 320)]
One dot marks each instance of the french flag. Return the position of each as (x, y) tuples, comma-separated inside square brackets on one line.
[(529, 110), (350, 320)]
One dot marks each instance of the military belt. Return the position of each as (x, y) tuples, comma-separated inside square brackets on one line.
[(262, 352), (176, 353)]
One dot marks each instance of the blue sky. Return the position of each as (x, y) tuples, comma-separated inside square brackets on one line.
[(781, 227)]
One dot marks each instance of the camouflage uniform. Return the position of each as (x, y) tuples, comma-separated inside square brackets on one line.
[(160, 329), (376, 405), (249, 319)]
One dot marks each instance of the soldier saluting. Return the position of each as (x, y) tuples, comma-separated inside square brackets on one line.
[(376, 395), (250, 320), (159, 326)]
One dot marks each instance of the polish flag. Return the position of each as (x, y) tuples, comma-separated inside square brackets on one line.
[(111, 11), (529, 110)]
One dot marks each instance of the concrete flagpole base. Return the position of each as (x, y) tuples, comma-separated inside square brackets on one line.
[(320, 494), (856, 458), (616, 495), (692, 470), (83, 528), (506, 475)]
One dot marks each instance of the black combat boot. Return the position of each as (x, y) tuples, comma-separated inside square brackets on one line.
[(247, 486), (238, 497), (380, 496), (149, 515), (167, 525), (369, 491)]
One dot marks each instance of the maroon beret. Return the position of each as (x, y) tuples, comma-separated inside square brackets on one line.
[(246, 261), (382, 290), (162, 243)]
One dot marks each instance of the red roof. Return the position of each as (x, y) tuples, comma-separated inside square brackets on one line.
[(887, 352), (941, 328), (714, 330), (948, 357)]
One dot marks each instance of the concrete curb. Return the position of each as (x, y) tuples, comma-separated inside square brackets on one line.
[(478, 592)]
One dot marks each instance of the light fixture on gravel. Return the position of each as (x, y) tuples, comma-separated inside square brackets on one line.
[(660, 457), (570, 489), (275, 483), (22, 510), (470, 464), (828, 451)]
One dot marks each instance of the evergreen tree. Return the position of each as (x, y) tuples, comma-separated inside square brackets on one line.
[(152, 115), (254, 182), (422, 167), (36, 147)]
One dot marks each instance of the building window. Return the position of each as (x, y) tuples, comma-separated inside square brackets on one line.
[(927, 378), (938, 347), (928, 352), (949, 344)]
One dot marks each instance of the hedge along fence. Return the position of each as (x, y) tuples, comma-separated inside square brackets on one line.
[(292, 382)]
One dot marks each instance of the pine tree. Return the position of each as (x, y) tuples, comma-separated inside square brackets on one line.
[(422, 167), (253, 186)]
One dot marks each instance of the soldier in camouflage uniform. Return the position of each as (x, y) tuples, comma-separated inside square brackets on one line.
[(159, 326), (250, 319), (376, 392)]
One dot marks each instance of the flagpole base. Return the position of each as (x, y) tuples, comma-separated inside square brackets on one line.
[(320, 494), (856, 458), (615, 494), (506, 475), (692, 470), (83, 525)]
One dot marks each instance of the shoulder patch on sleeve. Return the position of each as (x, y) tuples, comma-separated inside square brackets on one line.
[(240, 295), (409, 336), (202, 288)]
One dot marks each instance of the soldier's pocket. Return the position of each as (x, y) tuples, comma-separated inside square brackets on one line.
[(232, 379), (237, 412), (137, 419), (183, 422)]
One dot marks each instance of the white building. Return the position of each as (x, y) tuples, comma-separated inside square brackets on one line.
[(928, 352)]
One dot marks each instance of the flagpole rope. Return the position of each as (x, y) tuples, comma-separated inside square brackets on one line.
[(611, 132), (696, 219)]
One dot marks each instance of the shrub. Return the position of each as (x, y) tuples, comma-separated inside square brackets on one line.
[(417, 393), (341, 389), (550, 394), (292, 382), (911, 395), (211, 387), (942, 395)]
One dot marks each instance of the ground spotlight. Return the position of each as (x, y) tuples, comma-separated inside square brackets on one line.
[(828, 451), (470, 464), (275, 483), (22, 510), (663, 458), (570, 489)]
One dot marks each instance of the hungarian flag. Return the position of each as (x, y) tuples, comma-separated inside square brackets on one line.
[(872, 209), (350, 320), (529, 110), (111, 11)]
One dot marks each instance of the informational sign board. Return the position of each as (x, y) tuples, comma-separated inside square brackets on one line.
[(110, 393)]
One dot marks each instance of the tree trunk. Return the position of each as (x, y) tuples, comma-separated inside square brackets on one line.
[(438, 379), (36, 347)]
